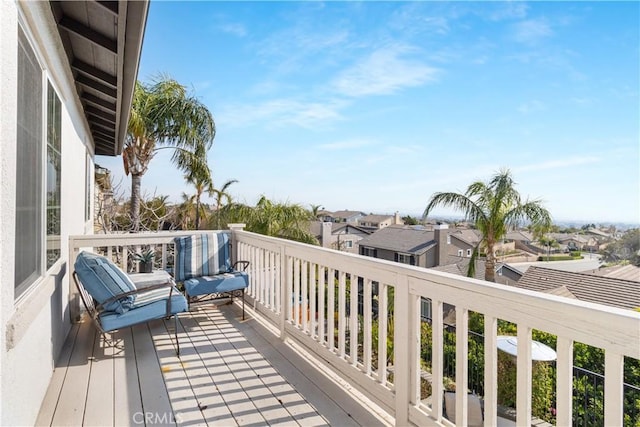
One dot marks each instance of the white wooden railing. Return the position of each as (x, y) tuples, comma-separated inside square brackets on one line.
[(285, 276)]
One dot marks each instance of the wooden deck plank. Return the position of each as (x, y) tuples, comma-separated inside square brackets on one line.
[(338, 407), (127, 399), (71, 404), (229, 373), (48, 408), (99, 407), (155, 400), (183, 399)]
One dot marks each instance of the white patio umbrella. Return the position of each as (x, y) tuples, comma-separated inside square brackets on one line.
[(539, 351)]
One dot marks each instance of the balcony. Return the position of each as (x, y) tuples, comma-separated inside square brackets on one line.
[(296, 361)]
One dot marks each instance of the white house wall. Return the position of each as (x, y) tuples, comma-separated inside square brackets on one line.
[(33, 327)]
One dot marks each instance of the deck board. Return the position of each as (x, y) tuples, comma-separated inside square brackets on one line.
[(229, 373)]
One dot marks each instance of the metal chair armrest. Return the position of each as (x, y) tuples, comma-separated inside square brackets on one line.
[(171, 284), (245, 263)]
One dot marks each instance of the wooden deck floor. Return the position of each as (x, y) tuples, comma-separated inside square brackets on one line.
[(229, 373)]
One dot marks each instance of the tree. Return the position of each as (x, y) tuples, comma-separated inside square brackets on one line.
[(201, 180), (315, 210), (494, 207), (219, 195), (409, 220), (164, 116), (284, 220)]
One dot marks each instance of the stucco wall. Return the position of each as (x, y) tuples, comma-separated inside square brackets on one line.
[(33, 327)]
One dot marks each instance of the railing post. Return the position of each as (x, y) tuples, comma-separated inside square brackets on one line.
[(401, 359), (234, 239), (286, 276)]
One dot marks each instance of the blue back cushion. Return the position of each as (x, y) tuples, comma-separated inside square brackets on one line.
[(202, 255), (104, 280)]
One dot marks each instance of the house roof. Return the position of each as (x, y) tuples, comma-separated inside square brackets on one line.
[(375, 218), (401, 238), (315, 227), (103, 42), (460, 266), (345, 214), (625, 272), (468, 236), (586, 287), (519, 235)]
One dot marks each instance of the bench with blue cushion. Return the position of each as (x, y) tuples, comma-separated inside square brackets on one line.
[(113, 301), (203, 265)]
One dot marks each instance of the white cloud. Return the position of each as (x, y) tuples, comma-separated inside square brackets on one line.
[(234, 29), (532, 30), (280, 112), (384, 72)]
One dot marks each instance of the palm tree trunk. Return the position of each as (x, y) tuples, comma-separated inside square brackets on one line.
[(198, 212), (135, 202), (490, 265)]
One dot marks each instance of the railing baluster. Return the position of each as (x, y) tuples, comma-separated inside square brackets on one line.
[(613, 388), (163, 265), (296, 292), (382, 332), (462, 365), (353, 320), (304, 284), (523, 387), (437, 358), (342, 284), (564, 381), (312, 299), (490, 371), (367, 311), (331, 307), (322, 283)]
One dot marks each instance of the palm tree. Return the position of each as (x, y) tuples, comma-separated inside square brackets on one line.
[(164, 116), (201, 180), (494, 207), (315, 210), (219, 195), (284, 220)]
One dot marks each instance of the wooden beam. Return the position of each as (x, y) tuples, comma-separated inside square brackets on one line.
[(93, 84), (100, 113), (95, 73), (111, 6), (95, 128), (97, 101), (102, 122), (89, 34)]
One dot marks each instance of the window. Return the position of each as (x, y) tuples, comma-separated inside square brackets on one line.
[(448, 239), (348, 244), (54, 170), (468, 252), (404, 259), (369, 252), (460, 252), (87, 187), (29, 160)]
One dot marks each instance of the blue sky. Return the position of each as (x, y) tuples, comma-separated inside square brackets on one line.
[(374, 106)]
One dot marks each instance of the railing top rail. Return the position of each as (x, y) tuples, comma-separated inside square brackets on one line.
[(599, 325), (83, 240)]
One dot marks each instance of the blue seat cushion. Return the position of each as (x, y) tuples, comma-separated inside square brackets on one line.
[(148, 306), (202, 255), (103, 280), (225, 282)]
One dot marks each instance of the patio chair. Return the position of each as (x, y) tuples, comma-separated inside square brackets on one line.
[(203, 266), (113, 302)]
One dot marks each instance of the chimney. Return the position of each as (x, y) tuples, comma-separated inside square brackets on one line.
[(441, 232), (326, 235), (396, 219)]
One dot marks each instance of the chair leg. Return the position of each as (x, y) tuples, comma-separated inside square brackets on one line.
[(242, 303), (175, 316)]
